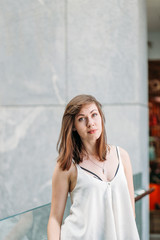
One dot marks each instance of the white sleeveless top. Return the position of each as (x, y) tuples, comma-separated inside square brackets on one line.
[(100, 210)]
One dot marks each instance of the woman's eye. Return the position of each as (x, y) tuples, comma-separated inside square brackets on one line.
[(94, 114), (81, 119)]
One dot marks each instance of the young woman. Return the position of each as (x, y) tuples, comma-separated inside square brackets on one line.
[(97, 175)]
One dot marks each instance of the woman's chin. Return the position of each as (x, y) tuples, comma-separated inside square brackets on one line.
[(93, 138)]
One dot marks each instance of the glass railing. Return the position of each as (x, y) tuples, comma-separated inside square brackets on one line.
[(29, 225), (32, 224)]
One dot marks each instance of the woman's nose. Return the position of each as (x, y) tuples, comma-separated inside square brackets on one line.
[(90, 122)]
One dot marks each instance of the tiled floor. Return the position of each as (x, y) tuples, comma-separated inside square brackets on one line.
[(154, 236)]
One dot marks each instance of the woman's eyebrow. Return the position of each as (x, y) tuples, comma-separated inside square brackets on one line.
[(93, 110), (81, 114)]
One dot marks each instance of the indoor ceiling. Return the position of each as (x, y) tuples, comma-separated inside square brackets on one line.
[(153, 15)]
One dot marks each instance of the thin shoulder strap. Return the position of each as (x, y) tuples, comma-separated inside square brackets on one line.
[(91, 173), (118, 154)]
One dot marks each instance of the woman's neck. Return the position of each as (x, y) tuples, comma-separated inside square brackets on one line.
[(91, 150)]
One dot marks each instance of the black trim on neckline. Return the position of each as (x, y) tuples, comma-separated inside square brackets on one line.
[(91, 173)]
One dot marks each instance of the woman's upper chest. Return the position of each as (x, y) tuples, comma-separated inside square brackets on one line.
[(106, 170)]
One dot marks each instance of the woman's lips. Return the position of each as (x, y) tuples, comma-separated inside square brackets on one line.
[(92, 131)]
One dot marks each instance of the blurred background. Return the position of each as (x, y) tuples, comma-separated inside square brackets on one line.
[(51, 51)]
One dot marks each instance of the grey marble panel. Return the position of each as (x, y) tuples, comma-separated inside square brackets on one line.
[(32, 52), (142, 207), (104, 55), (138, 205), (138, 210), (28, 138), (137, 179), (127, 127)]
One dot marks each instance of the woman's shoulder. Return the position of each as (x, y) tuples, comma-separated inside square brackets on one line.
[(60, 173), (124, 157), (123, 153), (122, 150)]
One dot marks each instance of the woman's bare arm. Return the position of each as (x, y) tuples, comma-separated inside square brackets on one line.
[(60, 189), (128, 173)]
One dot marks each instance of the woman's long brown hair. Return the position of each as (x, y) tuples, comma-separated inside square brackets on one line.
[(69, 144)]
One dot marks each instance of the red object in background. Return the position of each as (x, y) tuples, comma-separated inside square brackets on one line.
[(154, 120), (154, 197)]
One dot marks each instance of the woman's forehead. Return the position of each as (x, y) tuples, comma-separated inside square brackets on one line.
[(88, 108)]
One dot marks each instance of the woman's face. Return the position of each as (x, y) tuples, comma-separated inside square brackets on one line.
[(88, 123)]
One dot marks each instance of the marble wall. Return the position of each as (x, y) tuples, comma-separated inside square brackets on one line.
[(51, 51), (32, 98)]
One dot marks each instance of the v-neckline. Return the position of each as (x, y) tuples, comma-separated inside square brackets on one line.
[(104, 181)]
